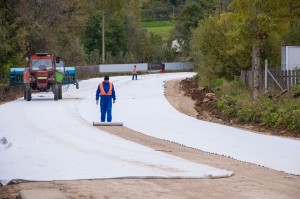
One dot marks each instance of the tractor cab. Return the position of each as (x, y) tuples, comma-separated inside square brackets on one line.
[(41, 64), (42, 61), (41, 72)]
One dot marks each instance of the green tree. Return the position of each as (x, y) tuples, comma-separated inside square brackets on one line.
[(190, 15), (92, 39), (256, 20), (293, 35), (211, 50), (177, 2), (157, 10), (121, 33), (53, 26), (116, 37), (11, 38), (150, 48)]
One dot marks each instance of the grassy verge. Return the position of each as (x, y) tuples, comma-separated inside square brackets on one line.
[(235, 103), (161, 28)]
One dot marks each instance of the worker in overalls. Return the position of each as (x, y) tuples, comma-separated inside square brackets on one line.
[(107, 95)]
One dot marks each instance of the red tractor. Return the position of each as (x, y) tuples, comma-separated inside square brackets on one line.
[(41, 76)]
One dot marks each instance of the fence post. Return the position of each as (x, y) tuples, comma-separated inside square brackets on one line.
[(243, 76), (266, 75), (287, 80), (294, 77)]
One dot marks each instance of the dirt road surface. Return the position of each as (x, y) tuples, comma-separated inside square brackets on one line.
[(249, 182)]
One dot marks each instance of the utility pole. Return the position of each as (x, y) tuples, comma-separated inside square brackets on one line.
[(173, 13), (103, 36)]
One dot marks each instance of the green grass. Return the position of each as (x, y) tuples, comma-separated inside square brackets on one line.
[(161, 28)]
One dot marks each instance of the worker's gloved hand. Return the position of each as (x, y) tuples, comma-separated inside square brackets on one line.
[(114, 101), (97, 102)]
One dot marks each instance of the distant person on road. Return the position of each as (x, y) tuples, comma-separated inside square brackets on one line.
[(163, 68), (107, 95), (134, 72)]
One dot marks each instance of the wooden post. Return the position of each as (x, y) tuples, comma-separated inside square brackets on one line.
[(266, 75), (287, 80), (255, 71)]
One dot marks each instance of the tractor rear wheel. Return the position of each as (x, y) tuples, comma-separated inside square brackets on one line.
[(55, 91), (59, 91), (28, 93), (77, 84)]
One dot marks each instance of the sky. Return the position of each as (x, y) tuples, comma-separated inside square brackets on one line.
[(45, 140)]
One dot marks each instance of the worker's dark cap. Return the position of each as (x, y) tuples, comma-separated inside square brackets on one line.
[(106, 77)]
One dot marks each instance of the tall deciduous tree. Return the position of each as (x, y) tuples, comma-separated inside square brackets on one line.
[(11, 37), (212, 50), (116, 37), (120, 30), (293, 36), (157, 10), (191, 14), (256, 20), (54, 26)]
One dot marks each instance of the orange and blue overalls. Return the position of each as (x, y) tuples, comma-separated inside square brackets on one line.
[(106, 92)]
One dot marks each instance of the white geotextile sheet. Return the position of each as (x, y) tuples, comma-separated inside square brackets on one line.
[(141, 106), (44, 140)]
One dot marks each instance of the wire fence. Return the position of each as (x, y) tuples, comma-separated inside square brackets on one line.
[(272, 79)]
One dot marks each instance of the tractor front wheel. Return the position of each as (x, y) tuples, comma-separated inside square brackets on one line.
[(24, 89), (55, 91), (28, 93)]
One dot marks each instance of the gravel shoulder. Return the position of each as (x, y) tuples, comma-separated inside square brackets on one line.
[(249, 181)]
